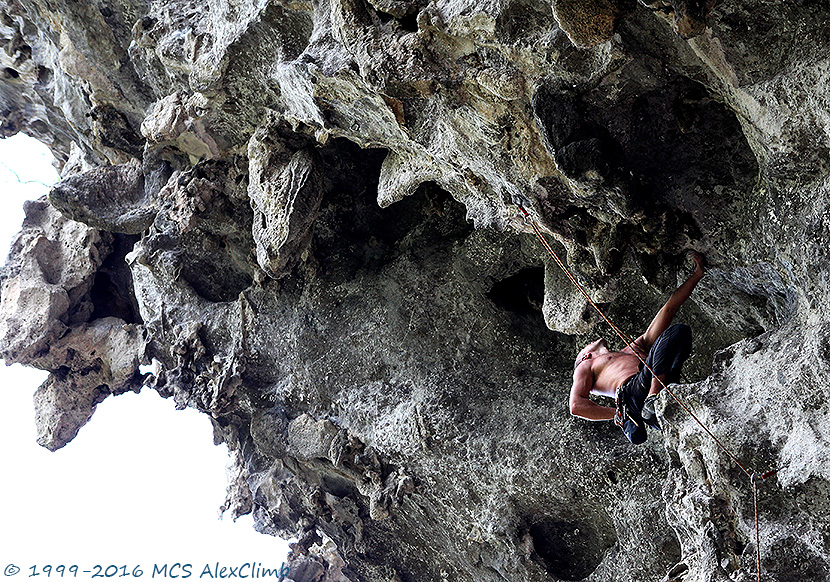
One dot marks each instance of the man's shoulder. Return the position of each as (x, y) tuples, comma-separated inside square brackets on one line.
[(583, 381), (584, 368)]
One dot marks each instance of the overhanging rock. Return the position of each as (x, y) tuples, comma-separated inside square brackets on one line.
[(302, 213)]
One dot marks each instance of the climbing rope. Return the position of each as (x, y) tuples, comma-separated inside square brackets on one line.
[(753, 477)]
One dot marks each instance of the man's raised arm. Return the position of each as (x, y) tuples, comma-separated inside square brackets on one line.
[(666, 314), (580, 404)]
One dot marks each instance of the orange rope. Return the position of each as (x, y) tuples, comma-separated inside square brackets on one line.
[(757, 532), (752, 476)]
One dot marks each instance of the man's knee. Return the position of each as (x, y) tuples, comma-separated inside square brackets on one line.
[(683, 336), (681, 331), (670, 350)]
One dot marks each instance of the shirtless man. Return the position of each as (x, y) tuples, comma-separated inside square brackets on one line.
[(622, 376)]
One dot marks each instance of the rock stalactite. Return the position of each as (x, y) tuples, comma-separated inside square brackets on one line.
[(300, 213)]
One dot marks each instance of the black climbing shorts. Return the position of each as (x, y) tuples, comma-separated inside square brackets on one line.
[(666, 356)]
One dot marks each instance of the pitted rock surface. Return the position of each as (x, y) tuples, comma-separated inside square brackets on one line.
[(303, 215)]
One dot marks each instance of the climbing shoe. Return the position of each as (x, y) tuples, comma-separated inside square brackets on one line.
[(648, 414)]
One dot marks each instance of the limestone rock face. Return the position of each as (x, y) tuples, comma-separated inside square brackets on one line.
[(110, 198), (304, 215)]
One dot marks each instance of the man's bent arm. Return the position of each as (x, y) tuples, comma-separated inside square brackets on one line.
[(590, 410), (666, 314), (580, 404)]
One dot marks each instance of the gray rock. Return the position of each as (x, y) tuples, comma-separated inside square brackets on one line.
[(62, 408), (285, 189), (60, 303), (269, 431), (111, 198), (309, 439), (46, 281), (95, 360)]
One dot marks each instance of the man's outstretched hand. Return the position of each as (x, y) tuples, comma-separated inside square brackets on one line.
[(700, 264)]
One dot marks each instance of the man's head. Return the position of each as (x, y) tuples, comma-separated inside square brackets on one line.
[(590, 351)]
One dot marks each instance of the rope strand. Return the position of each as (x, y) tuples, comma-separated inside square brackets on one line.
[(757, 530)]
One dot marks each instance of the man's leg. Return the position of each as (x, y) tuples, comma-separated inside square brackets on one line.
[(632, 394), (666, 358)]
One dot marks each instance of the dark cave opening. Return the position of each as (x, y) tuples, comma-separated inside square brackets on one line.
[(687, 145), (522, 293), (338, 486), (570, 550), (668, 156), (112, 292), (108, 299), (410, 22), (353, 233)]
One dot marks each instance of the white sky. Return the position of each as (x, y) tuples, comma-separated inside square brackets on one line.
[(141, 484)]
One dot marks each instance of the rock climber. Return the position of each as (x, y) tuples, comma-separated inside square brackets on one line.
[(622, 376)]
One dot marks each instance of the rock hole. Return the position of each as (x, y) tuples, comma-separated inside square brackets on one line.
[(61, 373), (24, 53), (410, 22), (740, 546), (677, 572), (39, 127), (612, 476), (522, 293), (146, 369), (112, 292), (218, 277), (338, 486), (9, 73), (354, 234), (570, 550), (108, 301), (44, 75), (384, 17)]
